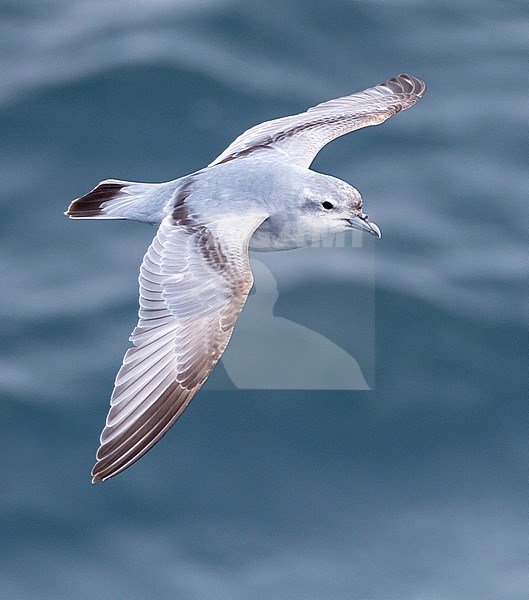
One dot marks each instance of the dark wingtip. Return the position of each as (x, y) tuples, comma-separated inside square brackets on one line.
[(412, 84), (406, 84)]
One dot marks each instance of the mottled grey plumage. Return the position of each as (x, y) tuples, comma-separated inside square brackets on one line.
[(195, 277)]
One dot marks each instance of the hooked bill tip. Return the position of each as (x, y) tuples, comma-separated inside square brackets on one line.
[(375, 230), (365, 225)]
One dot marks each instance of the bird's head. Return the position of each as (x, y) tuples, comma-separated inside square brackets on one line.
[(336, 207)]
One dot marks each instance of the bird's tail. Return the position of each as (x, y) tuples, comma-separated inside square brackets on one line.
[(115, 199)]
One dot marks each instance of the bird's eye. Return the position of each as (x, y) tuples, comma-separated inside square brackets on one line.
[(327, 205)]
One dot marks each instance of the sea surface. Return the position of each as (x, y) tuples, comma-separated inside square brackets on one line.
[(413, 488)]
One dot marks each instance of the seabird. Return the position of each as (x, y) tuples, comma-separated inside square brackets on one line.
[(259, 194)]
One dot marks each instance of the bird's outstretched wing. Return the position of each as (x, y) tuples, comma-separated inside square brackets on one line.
[(194, 281), (302, 136)]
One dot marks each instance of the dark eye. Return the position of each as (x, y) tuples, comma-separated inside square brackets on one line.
[(327, 205)]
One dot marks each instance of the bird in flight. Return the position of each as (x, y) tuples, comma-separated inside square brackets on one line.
[(259, 194)]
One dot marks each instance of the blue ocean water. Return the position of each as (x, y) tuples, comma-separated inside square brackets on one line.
[(412, 491)]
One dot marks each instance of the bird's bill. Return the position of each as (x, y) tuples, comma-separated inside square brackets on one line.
[(362, 223)]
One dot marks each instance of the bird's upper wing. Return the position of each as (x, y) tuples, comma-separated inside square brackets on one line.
[(302, 136), (194, 280)]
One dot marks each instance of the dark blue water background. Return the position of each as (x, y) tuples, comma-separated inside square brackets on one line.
[(414, 491)]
